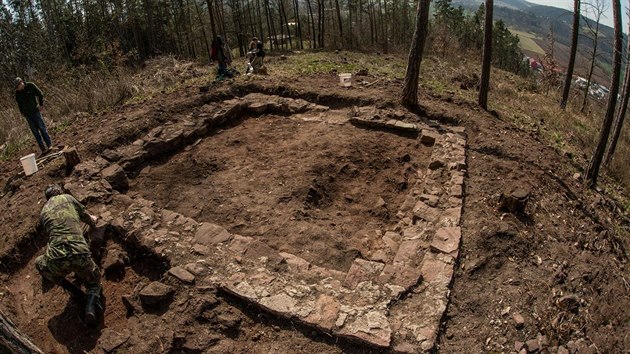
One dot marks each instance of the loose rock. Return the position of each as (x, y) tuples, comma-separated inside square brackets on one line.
[(532, 345), (156, 293), (115, 175), (519, 321), (182, 274), (110, 340)]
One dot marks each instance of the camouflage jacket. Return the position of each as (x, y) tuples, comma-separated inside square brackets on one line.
[(61, 219)]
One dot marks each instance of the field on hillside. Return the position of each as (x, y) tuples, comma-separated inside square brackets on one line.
[(286, 213), (528, 43)]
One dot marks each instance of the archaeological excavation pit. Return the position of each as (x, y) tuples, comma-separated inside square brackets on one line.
[(316, 189), (342, 220), (345, 221)]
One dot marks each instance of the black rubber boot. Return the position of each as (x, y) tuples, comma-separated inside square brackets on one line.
[(92, 309), (74, 290)]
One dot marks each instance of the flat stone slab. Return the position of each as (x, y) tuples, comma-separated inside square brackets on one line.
[(210, 234), (446, 240), (156, 293), (182, 274)]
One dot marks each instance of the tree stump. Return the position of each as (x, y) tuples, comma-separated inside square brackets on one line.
[(13, 340), (72, 157), (515, 200)]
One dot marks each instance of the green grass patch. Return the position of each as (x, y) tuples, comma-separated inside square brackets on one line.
[(527, 41), (581, 126)]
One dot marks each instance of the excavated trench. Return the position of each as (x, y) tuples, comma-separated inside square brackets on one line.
[(298, 177), (311, 188)]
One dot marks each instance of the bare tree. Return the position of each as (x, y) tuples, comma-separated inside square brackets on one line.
[(594, 9), (410, 90), (338, 8), (592, 170), (621, 112), (550, 76), (574, 43), (484, 83)]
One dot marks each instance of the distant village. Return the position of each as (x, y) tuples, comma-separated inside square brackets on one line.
[(596, 91)]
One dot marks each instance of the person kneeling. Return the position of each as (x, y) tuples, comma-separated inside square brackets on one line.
[(67, 250)]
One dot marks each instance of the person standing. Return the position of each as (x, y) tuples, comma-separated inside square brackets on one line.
[(67, 250), (222, 58), (30, 100)]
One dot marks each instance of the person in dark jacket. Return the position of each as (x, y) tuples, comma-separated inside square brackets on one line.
[(30, 100)]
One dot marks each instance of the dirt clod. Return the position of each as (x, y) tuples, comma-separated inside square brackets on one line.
[(569, 302)]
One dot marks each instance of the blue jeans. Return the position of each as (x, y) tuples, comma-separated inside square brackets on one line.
[(38, 128)]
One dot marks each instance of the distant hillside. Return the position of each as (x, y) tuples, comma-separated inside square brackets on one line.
[(538, 19)]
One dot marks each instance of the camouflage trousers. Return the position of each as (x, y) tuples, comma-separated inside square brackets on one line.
[(83, 267)]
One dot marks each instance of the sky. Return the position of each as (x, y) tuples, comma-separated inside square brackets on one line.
[(607, 19)]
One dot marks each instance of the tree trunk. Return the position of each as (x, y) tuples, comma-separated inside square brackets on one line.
[(592, 67), (410, 90), (261, 34), (192, 49), (252, 25), (203, 29), (339, 20), (71, 155), (298, 23), (14, 341), (349, 38), (270, 26), (150, 23), (238, 22), (283, 12), (592, 171), (310, 13), (574, 43), (382, 10), (484, 83), (621, 112), (321, 9), (281, 26), (211, 15)]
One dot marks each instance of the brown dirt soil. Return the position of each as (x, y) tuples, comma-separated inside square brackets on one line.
[(307, 188), (568, 241)]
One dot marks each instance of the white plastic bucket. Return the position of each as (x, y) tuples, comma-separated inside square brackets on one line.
[(345, 80), (29, 164)]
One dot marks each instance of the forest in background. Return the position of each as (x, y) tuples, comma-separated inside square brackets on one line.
[(38, 38), (82, 52)]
